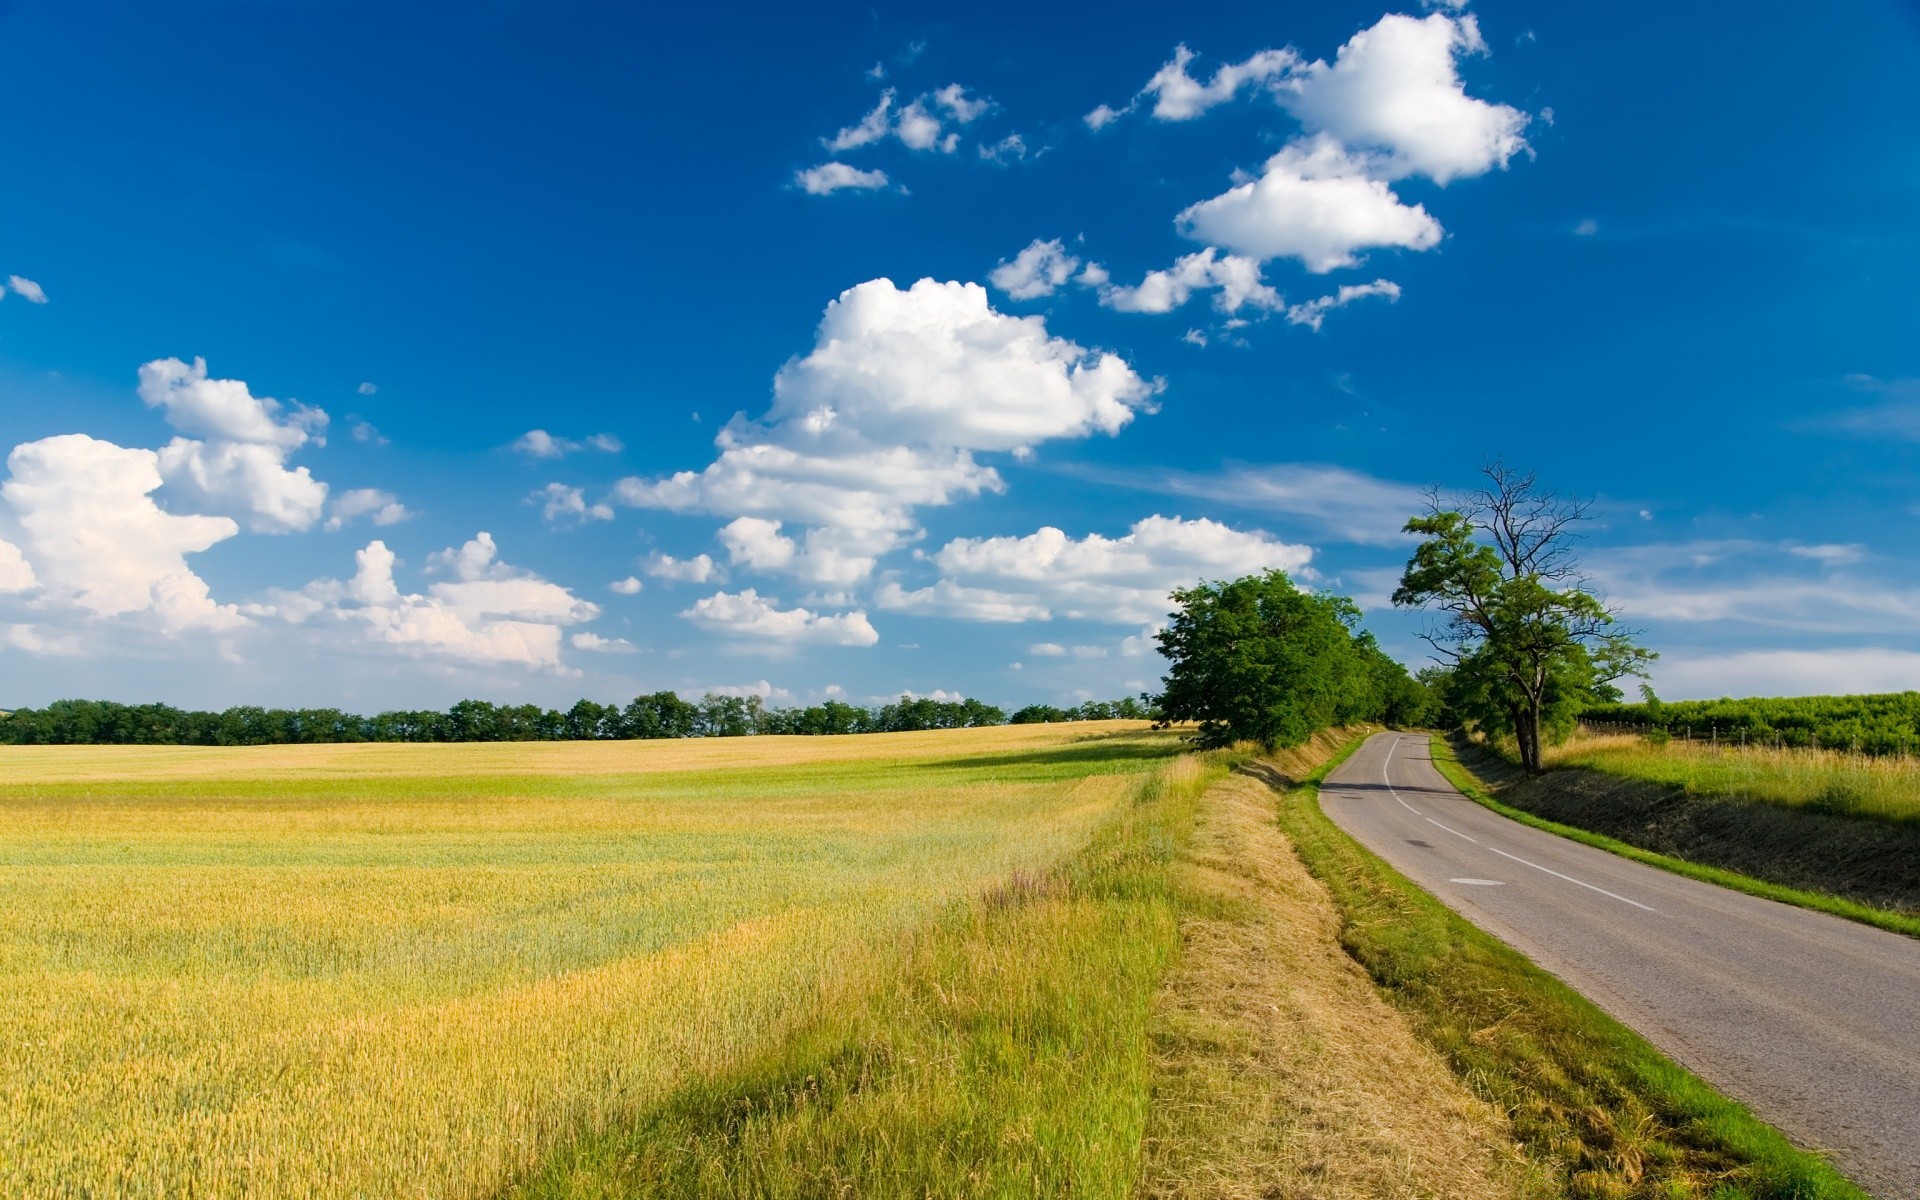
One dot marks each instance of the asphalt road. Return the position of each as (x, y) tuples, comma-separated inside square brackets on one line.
[(1811, 1021)]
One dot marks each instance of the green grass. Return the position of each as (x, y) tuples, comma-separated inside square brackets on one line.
[(1473, 789), (1829, 781), (420, 970), (1589, 1099)]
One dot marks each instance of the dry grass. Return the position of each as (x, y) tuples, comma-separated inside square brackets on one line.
[(1832, 781), (410, 971), (1279, 1068)]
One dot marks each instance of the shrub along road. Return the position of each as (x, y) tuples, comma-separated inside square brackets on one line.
[(1807, 1018)]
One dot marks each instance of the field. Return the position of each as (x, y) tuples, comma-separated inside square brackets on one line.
[(1831, 781), (396, 970)]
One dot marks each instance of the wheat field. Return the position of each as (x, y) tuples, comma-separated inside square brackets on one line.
[(413, 970)]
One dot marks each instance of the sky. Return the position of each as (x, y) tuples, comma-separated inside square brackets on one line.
[(381, 355)]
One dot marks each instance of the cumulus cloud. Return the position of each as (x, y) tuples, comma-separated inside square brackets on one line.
[(538, 443), (488, 613), (1349, 505), (563, 505), (1236, 279), (1316, 202), (26, 289), (382, 508), (1396, 88), (1039, 270), (93, 539), (758, 544), (747, 614), (955, 102), (886, 414), (629, 586), (233, 461), (830, 177), (1011, 148), (1124, 580), (1178, 96), (698, 569), (588, 640), (16, 573), (1313, 313), (917, 124)]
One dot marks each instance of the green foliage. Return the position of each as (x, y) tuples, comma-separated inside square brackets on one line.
[(1128, 709), (659, 715), (1528, 645), (1882, 724), (1259, 660)]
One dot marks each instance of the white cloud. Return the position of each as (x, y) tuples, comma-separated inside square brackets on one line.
[(1314, 312), (1238, 280), (1039, 270), (588, 640), (746, 614), (1787, 673), (698, 569), (945, 598), (240, 469), (1349, 505), (224, 409), (758, 688), (870, 128), (16, 573), (26, 289), (538, 443), (96, 541), (1177, 96), (489, 614), (32, 640), (563, 505), (886, 413), (919, 129), (1047, 650), (1396, 88), (957, 104), (629, 586), (1104, 115), (382, 508), (830, 177), (366, 389), (1586, 228), (1315, 202), (757, 543), (1011, 148), (245, 480), (1781, 585), (1121, 580)]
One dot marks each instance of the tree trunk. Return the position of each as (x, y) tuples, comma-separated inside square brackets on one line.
[(1530, 742)]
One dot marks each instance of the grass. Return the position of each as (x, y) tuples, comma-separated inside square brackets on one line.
[(388, 970), (1604, 1112), (1827, 781), (1279, 1069), (1471, 787)]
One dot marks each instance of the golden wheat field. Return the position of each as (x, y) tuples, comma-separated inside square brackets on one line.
[(408, 971)]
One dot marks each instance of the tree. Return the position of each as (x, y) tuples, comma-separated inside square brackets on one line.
[(1260, 660), (1527, 641)]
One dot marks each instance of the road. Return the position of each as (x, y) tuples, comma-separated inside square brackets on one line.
[(1810, 1020)]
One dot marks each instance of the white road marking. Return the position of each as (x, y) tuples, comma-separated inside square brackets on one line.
[(1570, 879), (1450, 829), (1384, 763), (1481, 882)]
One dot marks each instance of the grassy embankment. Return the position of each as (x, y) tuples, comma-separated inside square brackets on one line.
[(390, 970), (1596, 1107), (1772, 823)]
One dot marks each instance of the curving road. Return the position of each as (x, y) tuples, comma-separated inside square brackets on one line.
[(1812, 1021)]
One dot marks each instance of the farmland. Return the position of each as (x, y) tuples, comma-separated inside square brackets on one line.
[(398, 970)]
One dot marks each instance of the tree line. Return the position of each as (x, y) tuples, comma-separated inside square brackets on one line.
[(1886, 723), (659, 715)]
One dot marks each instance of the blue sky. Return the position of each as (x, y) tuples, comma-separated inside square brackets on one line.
[(574, 349)]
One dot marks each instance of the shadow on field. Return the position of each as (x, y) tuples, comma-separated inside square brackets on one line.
[(1079, 752)]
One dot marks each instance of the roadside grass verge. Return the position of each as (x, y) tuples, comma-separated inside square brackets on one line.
[(1279, 1068), (1881, 788), (1003, 1052), (1593, 1104), (1471, 786)]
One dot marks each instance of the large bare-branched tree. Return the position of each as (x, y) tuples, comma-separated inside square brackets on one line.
[(1527, 640)]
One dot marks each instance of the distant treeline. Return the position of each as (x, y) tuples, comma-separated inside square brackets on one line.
[(660, 715), (1881, 724)]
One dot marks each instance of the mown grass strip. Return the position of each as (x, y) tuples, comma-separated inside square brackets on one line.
[(1591, 1101), (1006, 1053), (1470, 786)]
